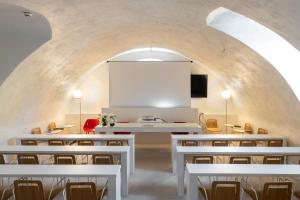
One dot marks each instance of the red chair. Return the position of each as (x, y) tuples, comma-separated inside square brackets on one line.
[(122, 131), (180, 133), (89, 125)]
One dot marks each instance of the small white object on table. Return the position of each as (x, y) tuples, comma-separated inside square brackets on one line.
[(111, 172), (226, 151), (77, 150), (224, 170)]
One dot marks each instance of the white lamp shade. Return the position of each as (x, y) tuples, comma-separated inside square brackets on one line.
[(77, 94), (225, 94)]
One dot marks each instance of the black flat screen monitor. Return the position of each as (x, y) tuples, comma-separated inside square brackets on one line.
[(199, 85)]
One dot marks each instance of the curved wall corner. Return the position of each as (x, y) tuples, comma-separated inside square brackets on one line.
[(19, 36), (268, 44)]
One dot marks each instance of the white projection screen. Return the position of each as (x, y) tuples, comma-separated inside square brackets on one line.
[(149, 84)]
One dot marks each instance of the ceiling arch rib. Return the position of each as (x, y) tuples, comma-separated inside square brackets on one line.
[(271, 46)]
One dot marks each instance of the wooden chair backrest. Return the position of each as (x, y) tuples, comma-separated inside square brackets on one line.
[(273, 160), (103, 159), (211, 123), (203, 160), (189, 143), (2, 160), (52, 126), (64, 159), (85, 143), (277, 191), (36, 131), (275, 143), (248, 128), (81, 191), (221, 143), (240, 160), (27, 159), (262, 131), (56, 143), (225, 190), (28, 189), (29, 142), (114, 143), (249, 143)]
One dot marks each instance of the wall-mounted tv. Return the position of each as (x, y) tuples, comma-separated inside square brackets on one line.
[(199, 85)]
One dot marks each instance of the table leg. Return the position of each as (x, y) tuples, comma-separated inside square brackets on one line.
[(114, 187), (174, 144), (124, 173), (192, 189), (131, 144), (180, 174)]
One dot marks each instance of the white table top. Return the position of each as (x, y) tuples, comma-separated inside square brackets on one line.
[(209, 137), (14, 149), (151, 127), (73, 137), (243, 170), (59, 170), (207, 150)]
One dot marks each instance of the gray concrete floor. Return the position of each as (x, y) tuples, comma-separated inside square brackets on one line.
[(153, 179)]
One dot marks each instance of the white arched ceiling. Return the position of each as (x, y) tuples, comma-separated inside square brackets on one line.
[(88, 33), (19, 36), (275, 49)]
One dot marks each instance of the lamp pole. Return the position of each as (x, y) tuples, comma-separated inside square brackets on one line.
[(226, 95)]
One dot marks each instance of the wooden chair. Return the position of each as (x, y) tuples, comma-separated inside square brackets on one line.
[(220, 143), (262, 131), (248, 143), (114, 143), (222, 190), (36, 131), (84, 191), (189, 143), (33, 190), (240, 160), (248, 128), (85, 143), (52, 128), (103, 159), (212, 125), (275, 143), (2, 160), (29, 142), (277, 191), (273, 160), (203, 160), (56, 143), (27, 159), (64, 160)]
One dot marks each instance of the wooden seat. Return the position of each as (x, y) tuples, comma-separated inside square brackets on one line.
[(85, 143), (2, 160), (203, 159), (212, 125), (273, 160), (114, 143), (189, 143), (275, 143), (56, 143), (248, 143), (36, 131), (27, 159), (262, 131), (64, 160), (240, 160), (103, 159), (29, 142), (220, 143), (277, 191), (84, 191), (33, 190), (222, 190)]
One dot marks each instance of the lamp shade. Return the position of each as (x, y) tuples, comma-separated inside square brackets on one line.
[(77, 94), (225, 94)]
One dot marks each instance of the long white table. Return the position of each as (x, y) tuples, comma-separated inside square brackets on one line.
[(175, 139), (223, 170), (77, 150), (95, 137), (226, 151), (111, 172)]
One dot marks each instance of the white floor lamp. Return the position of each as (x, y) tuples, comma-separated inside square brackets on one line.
[(77, 94), (226, 95)]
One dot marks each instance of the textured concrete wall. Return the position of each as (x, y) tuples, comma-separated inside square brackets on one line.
[(86, 33)]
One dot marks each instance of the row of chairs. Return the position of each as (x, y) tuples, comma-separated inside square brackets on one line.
[(79, 142), (224, 143), (235, 190)]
